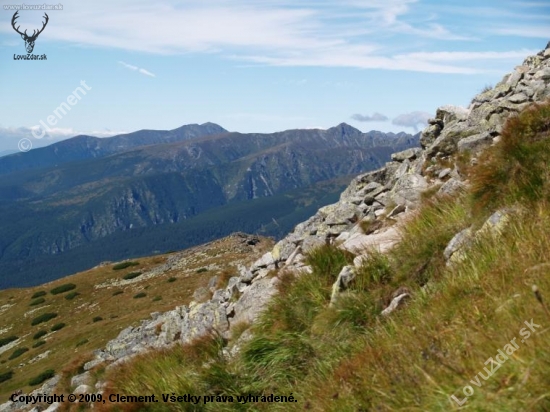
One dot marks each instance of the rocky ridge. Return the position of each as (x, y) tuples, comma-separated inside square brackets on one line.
[(358, 222)]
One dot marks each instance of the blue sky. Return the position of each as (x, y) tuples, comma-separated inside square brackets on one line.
[(256, 66)]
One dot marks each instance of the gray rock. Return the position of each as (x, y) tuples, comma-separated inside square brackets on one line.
[(475, 143), (312, 242), (264, 261), (83, 389), (345, 277), (408, 154), (444, 173), (518, 98), (451, 187), (460, 240), (82, 379), (342, 214), (202, 319), (407, 191), (253, 301)]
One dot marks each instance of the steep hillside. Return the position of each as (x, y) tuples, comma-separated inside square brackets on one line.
[(94, 306), (46, 215), (429, 276)]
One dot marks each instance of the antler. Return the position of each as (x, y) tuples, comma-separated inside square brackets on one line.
[(15, 16), (34, 36)]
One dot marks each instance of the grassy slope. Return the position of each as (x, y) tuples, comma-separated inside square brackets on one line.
[(349, 358), (72, 345)]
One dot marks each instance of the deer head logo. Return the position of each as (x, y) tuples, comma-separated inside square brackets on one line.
[(29, 40)]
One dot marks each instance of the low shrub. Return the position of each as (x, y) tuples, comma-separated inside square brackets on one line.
[(39, 334), (202, 270), (157, 298), (124, 265), (43, 318), (39, 343), (131, 275), (6, 376), (97, 319), (118, 292), (82, 342), (44, 376), (172, 279), (39, 294), (18, 352), (63, 288), (140, 295), (37, 301), (58, 326), (7, 339), (71, 296)]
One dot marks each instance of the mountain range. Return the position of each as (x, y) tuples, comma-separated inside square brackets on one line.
[(71, 205)]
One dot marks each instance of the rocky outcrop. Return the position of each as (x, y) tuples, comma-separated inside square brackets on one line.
[(373, 198)]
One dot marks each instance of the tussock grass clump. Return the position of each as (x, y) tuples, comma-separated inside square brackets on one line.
[(348, 357), (72, 295), (38, 294), (140, 295), (37, 301), (131, 275), (97, 319), (63, 288), (118, 292), (18, 352), (124, 265), (43, 318), (39, 334), (58, 326), (6, 376), (39, 343), (517, 168)]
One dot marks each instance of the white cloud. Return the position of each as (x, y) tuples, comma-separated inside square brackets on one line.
[(539, 32), (376, 117), (465, 56), (138, 69), (272, 32), (10, 136), (413, 119)]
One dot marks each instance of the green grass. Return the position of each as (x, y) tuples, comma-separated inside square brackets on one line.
[(43, 318), (63, 288), (124, 265), (347, 357)]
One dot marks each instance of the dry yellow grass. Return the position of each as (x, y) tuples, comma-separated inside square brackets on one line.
[(72, 345)]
